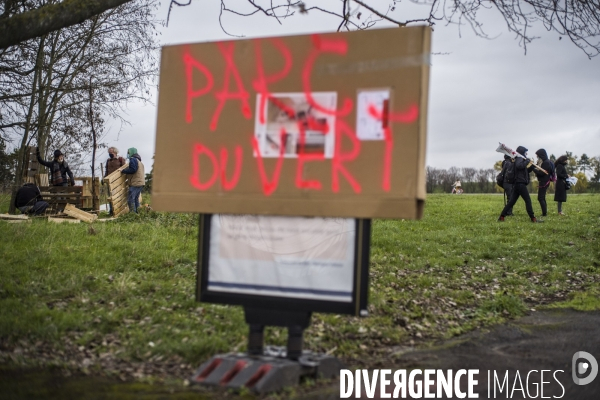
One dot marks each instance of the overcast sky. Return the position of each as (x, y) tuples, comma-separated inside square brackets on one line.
[(481, 91)]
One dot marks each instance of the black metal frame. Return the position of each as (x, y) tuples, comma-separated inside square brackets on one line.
[(357, 306)]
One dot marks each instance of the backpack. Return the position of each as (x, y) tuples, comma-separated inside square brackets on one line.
[(509, 175), (500, 179)]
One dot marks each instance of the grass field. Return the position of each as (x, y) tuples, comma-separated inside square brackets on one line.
[(114, 296)]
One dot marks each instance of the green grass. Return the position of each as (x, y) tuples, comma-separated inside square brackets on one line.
[(127, 287)]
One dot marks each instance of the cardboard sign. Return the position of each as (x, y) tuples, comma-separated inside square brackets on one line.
[(327, 125)]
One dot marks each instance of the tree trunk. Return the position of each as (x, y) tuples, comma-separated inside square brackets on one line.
[(25, 140), (95, 199)]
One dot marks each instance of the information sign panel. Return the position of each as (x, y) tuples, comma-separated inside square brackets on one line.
[(291, 263)]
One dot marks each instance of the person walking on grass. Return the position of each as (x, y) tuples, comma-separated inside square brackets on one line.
[(59, 169), (560, 193), (544, 179), (508, 173), (523, 167), (136, 176)]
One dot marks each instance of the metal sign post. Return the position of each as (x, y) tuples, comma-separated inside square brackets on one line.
[(325, 248)]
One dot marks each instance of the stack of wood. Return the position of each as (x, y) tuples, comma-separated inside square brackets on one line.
[(118, 187)]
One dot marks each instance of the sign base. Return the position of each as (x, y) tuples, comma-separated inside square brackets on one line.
[(271, 368), (270, 372)]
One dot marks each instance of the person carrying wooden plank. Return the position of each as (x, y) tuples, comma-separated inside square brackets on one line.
[(136, 176), (113, 163)]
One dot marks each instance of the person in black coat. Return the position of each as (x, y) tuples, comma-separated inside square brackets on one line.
[(523, 167), (560, 194), (508, 171), (29, 200), (59, 169), (544, 179)]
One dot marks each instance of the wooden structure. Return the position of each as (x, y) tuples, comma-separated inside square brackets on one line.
[(59, 196), (118, 187), (87, 200)]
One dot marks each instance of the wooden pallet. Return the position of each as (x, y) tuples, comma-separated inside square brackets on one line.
[(58, 196), (32, 166), (118, 187)]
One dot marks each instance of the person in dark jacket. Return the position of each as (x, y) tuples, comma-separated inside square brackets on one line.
[(114, 161), (560, 194), (523, 167), (544, 179), (59, 169), (135, 175), (29, 200), (508, 171)]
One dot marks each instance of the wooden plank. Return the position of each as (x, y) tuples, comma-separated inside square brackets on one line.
[(79, 214), (16, 221), (115, 192), (122, 212), (60, 196), (42, 180), (106, 219), (119, 196), (115, 175), (13, 217), (117, 183), (62, 220), (120, 209), (62, 189), (120, 201)]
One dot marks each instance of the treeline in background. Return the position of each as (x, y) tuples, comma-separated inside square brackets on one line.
[(585, 168)]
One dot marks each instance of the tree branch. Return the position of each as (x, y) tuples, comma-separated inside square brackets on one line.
[(31, 24)]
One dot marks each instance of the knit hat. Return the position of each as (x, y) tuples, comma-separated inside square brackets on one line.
[(131, 151), (57, 153)]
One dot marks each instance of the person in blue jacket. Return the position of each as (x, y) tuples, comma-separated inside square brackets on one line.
[(136, 177)]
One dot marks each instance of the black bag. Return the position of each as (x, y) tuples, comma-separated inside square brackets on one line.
[(500, 179), (567, 185)]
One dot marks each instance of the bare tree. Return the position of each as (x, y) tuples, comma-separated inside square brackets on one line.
[(469, 179), (45, 86), (20, 21), (578, 20)]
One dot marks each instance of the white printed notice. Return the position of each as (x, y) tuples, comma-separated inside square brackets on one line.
[(367, 126), (309, 258), (289, 124)]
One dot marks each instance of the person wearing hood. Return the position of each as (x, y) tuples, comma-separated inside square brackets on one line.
[(523, 166), (136, 176), (544, 179), (59, 169), (508, 173), (560, 194)]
